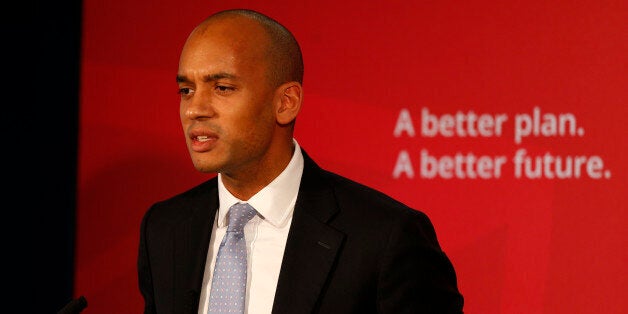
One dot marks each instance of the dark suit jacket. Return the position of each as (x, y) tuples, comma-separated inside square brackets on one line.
[(350, 249)]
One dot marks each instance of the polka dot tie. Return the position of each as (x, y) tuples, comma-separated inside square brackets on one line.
[(228, 290)]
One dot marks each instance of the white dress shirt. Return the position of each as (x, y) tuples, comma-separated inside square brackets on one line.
[(265, 235)]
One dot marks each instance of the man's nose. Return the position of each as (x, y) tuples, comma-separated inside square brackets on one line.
[(200, 106)]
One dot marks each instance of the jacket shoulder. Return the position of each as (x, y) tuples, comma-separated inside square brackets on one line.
[(351, 194), (181, 206)]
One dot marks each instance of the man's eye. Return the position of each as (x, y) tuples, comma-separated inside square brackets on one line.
[(224, 89), (185, 91)]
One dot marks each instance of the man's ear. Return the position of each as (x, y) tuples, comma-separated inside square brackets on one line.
[(290, 98)]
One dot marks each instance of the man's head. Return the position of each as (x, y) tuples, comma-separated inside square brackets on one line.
[(240, 77)]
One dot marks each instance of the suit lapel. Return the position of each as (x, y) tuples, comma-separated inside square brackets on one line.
[(312, 245), (191, 244)]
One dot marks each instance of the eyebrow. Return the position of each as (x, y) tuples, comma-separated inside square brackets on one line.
[(208, 78)]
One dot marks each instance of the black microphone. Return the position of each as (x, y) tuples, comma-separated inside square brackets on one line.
[(74, 307)]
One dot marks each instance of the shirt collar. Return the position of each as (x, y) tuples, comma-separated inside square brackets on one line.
[(275, 201)]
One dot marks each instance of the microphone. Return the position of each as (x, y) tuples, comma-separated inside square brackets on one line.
[(74, 307)]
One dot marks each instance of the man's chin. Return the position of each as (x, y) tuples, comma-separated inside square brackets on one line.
[(205, 167)]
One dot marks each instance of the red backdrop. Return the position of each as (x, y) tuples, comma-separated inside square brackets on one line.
[(447, 106)]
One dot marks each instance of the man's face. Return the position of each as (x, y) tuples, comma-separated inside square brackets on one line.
[(226, 105)]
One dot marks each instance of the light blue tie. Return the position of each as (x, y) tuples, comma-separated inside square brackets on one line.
[(228, 291)]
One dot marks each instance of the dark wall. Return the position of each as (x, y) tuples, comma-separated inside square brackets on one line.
[(41, 48)]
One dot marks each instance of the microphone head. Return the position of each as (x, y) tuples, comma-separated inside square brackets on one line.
[(82, 303)]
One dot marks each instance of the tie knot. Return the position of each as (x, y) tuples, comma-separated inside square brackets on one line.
[(239, 215)]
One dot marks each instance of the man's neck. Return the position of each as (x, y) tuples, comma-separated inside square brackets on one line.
[(245, 183)]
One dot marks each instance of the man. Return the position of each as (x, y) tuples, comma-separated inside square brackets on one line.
[(316, 242)]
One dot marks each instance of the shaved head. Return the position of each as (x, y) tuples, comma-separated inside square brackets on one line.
[(282, 52)]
